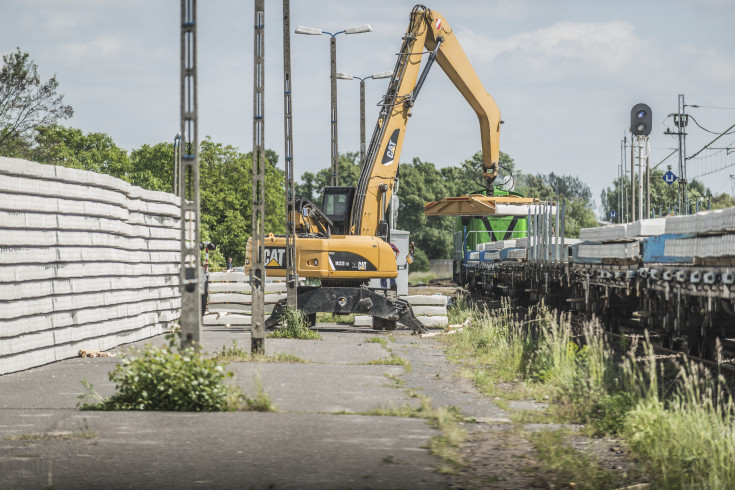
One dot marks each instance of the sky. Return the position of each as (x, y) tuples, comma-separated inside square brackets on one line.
[(565, 74)]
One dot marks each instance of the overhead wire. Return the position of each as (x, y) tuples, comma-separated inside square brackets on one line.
[(705, 129)]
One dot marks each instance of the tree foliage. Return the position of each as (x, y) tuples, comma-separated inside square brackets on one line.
[(664, 197), (25, 101), (311, 185), (579, 207)]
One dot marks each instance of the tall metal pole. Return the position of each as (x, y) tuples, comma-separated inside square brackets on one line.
[(177, 164), (639, 146), (362, 122), (291, 277), (632, 178), (557, 253), (648, 178), (563, 229), (683, 152), (333, 75), (620, 194), (621, 179), (257, 273), (626, 211), (190, 280)]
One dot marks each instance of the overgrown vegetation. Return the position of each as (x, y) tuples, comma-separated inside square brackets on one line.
[(261, 402), (295, 326), (335, 318), (83, 433), (377, 340), (393, 360), (415, 278), (166, 378), (681, 430), (173, 379), (235, 353)]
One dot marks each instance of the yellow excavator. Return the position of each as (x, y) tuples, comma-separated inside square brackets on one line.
[(346, 242)]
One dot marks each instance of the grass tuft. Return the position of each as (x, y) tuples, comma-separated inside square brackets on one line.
[(295, 326), (235, 353), (377, 340), (335, 318), (393, 360), (261, 402)]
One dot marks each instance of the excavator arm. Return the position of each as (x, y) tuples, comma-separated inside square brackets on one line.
[(427, 30)]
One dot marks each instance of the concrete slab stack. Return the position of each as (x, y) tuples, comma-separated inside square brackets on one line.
[(87, 261), (229, 301), (430, 309)]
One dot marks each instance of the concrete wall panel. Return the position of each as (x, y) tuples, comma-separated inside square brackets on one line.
[(86, 261)]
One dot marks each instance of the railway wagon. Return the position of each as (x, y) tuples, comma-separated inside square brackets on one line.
[(673, 275)]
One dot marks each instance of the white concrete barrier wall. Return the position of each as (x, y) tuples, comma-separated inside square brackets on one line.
[(87, 261), (229, 302)]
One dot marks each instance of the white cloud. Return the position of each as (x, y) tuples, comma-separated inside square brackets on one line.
[(566, 49), (708, 65), (103, 47)]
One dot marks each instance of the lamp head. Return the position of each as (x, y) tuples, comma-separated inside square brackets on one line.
[(359, 29)]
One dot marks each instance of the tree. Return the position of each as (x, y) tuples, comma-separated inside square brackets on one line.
[(723, 201), (152, 167), (421, 182), (70, 147), (579, 208), (25, 102), (664, 197), (226, 187), (348, 166)]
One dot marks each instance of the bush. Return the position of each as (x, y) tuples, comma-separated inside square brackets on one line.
[(166, 378), (420, 262)]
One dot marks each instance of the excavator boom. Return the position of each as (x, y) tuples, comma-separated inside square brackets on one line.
[(427, 30)]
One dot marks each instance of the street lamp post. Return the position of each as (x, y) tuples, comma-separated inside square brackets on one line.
[(346, 76), (311, 31)]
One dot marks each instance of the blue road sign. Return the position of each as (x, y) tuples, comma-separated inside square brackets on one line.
[(669, 177), (613, 214)]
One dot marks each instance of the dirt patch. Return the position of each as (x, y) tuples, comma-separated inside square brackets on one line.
[(498, 457)]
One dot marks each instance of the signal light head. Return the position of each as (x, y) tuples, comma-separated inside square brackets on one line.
[(641, 120)]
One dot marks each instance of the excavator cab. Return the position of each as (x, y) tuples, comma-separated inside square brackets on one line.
[(337, 205)]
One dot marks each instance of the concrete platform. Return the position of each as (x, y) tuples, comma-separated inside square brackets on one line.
[(309, 443)]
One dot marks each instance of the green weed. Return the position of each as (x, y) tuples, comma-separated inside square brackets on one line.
[(335, 318), (165, 378), (377, 340), (235, 353), (261, 402), (393, 360), (295, 326)]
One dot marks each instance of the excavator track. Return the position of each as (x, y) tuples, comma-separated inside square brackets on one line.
[(346, 300)]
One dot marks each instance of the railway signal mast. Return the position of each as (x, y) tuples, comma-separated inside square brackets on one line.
[(640, 127)]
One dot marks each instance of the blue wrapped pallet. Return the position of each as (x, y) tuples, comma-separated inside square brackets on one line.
[(653, 249)]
